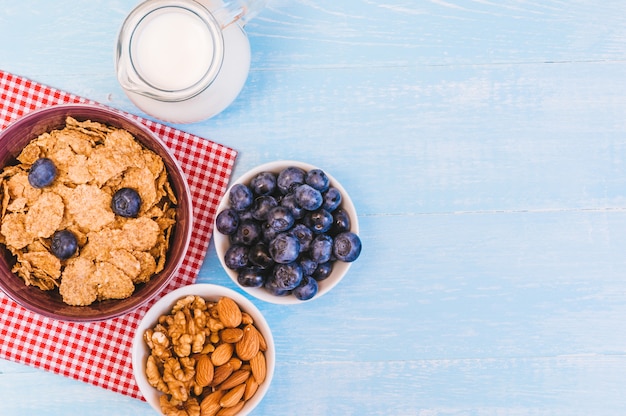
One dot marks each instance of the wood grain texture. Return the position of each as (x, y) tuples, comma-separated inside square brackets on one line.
[(484, 146)]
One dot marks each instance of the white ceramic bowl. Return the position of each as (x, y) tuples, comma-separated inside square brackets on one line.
[(339, 268), (163, 306)]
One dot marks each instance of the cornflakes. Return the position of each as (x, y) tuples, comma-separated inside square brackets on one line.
[(44, 215), (114, 253)]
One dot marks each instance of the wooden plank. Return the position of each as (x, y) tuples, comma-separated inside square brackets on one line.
[(573, 385), (304, 34), (34, 391)]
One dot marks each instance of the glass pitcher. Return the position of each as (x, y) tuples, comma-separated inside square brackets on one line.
[(184, 61)]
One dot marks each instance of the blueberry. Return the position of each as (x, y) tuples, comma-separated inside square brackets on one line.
[(269, 233), (306, 289), (321, 248), (308, 265), (261, 207), (263, 183), (286, 276), (318, 179), (42, 173), (227, 221), (274, 290), (280, 218), (322, 271), (341, 222), (236, 256), (304, 236), (284, 248), (63, 244), (289, 178), (308, 197), (319, 221), (246, 214), (250, 277), (259, 255), (289, 201), (248, 233), (347, 246), (332, 199), (126, 203), (240, 197)]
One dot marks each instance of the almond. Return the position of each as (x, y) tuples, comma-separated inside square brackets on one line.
[(249, 344), (204, 370), (231, 335), (233, 396), (251, 388), (228, 312), (236, 378), (210, 405), (246, 318), (222, 354), (262, 342), (258, 367), (231, 411), (221, 373), (235, 363)]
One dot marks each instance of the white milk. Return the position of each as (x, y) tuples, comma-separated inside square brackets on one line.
[(172, 49)]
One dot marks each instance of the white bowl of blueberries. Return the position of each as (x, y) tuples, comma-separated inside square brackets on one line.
[(286, 232)]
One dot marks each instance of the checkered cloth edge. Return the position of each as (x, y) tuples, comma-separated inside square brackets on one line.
[(100, 353)]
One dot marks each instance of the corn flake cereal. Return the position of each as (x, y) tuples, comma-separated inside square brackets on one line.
[(115, 253)]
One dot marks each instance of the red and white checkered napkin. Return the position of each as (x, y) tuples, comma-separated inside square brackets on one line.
[(100, 353)]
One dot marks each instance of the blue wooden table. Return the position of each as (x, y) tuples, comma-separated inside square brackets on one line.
[(484, 146)]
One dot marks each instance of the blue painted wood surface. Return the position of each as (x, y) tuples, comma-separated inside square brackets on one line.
[(484, 146)]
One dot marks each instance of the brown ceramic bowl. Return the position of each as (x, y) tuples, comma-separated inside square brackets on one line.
[(49, 303)]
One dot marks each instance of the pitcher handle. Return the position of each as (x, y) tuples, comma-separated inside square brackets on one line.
[(241, 11)]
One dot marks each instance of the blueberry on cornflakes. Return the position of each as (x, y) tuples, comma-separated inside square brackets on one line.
[(42, 173), (126, 203)]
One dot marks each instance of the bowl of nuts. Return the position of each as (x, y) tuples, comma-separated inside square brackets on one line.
[(287, 232), (202, 349), (96, 213)]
